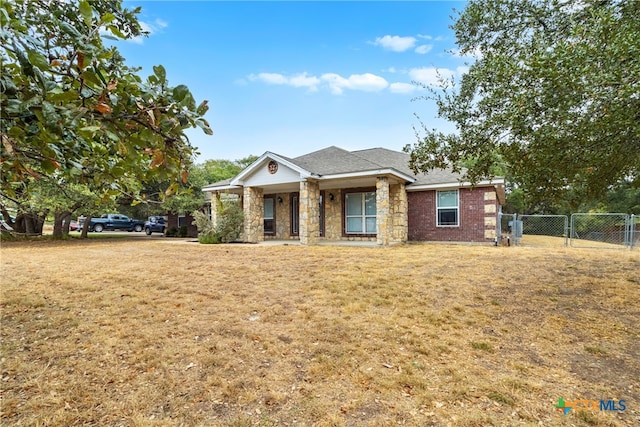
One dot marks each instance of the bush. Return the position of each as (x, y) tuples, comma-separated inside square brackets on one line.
[(229, 227), (171, 232), (183, 231)]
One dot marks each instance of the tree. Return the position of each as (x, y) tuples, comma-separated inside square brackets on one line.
[(554, 92), (72, 111)]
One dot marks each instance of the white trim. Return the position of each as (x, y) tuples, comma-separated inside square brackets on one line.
[(211, 188), (457, 207), (238, 179), (376, 172), (454, 185)]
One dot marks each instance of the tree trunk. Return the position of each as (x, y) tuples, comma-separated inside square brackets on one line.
[(85, 227), (58, 224), (29, 223)]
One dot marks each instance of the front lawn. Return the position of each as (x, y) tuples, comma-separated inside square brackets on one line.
[(166, 332)]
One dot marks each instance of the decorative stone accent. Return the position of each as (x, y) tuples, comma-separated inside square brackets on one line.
[(398, 195), (333, 215), (384, 220), (283, 216), (309, 212), (253, 205), (490, 209), (215, 202)]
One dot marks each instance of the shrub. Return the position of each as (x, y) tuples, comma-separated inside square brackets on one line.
[(183, 231), (229, 227), (171, 232)]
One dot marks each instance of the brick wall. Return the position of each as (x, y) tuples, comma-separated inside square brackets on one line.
[(474, 207)]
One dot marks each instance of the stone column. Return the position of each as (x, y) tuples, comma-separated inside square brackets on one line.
[(490, 214), (309, 212), (215, 203), (253, 207), (384, 220), (399, 208)]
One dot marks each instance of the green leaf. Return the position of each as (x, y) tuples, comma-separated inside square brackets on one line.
[(38, 59), (86, 11), (180, 92), (116, 32), (161, 73)]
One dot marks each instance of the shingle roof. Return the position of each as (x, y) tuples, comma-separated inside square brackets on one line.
[(335, 160)]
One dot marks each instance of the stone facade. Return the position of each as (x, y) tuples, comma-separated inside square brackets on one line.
[(309, 212), (215, 203), (384, 220), (400, 226), (253, 207), (333, 214)]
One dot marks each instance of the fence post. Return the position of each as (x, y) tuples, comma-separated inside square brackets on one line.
[(632, 231)]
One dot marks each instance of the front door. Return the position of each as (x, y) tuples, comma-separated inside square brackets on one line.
[(269, 215)]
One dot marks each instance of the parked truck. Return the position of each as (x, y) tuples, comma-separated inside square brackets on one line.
[(115, 222)]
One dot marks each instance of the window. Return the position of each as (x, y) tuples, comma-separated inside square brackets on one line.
[(447, 207), (295, 214), (269, 215), (182, 219), (360, 213)]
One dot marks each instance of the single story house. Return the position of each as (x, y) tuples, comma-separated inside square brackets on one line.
[(370, 195)]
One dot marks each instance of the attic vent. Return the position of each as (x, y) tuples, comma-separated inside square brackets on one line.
[(272, 167)]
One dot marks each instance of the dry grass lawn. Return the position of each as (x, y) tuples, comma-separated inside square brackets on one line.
[(159, 332)]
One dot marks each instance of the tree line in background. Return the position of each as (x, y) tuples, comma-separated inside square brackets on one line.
[(551, 101)]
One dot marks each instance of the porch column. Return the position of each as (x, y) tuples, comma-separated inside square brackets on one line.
[(399, 205), (253, 207), (384, 219), (215, 203), (309, 212)]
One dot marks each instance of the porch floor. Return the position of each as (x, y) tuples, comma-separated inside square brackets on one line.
[(273, 242)]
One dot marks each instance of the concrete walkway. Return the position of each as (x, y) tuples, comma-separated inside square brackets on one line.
[(320, 243)]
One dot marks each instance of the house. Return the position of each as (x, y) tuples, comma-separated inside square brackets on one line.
[(368, 195)]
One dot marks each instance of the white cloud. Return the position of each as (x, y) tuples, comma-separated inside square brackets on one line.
[(395, 43), (151, 28), (303, 80), (269, 78), (366, 82), (430, 76), (424, 48), (297, 80), (403, 88)]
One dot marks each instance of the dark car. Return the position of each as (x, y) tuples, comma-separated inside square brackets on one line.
[(155, 224)]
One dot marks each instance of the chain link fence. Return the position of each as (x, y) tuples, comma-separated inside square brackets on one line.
[(544, 230), (634, 232), (600, 230), (583, 230)]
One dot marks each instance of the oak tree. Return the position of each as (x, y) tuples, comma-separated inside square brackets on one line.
[(72, 110), (554, 93)]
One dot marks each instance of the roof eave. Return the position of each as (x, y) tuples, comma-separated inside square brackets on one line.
[(376, 172), (457, 184), (239, 179)]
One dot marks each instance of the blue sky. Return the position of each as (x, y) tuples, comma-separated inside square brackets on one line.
[(295, 77)]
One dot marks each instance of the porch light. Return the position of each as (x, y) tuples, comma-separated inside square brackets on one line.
[(331, 196)]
